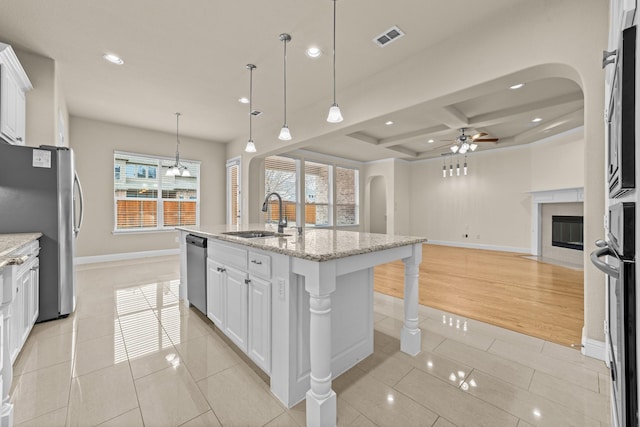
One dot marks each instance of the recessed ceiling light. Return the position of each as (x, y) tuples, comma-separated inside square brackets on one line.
[(536, 120), (516, 86), (431, 141), (313, 52), (243, 100), (389, 123), (114, 59)]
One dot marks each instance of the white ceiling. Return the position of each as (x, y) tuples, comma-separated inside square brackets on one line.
[(191, 57)]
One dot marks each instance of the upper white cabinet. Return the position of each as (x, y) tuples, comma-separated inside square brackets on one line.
[(14, 83)]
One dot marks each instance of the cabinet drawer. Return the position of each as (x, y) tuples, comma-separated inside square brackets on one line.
[(260, 265), (228, 255)]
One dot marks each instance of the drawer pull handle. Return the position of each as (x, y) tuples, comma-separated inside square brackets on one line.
[(221, 270), (256, 262), (247, 281)]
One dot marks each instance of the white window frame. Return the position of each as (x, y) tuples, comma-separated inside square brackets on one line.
[(231, 163), (158, 199), (300, 189)]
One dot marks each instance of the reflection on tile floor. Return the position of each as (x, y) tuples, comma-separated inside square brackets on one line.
[(133, 355)]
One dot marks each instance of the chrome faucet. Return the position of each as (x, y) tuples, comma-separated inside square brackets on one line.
[(282, 223)]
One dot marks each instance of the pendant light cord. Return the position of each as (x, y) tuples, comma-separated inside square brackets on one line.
[(250, 99), (334, 51), (285, 80), (177, 140)]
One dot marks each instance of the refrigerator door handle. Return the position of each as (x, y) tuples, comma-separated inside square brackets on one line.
[(77, 227), (604, 250)]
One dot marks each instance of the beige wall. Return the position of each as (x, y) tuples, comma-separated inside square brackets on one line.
[(492, 204), (94, 143), (42, 103)]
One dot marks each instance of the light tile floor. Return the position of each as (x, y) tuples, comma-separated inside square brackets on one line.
[(133, 355)]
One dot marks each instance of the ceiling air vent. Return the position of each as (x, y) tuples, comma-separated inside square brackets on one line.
[(388, 36)]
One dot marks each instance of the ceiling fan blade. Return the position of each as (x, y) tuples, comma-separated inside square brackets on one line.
[(479, 135), (486, 140)]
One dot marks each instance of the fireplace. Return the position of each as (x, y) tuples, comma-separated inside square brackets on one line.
[(567, 232)]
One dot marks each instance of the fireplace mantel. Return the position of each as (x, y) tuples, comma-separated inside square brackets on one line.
[(564, 195)]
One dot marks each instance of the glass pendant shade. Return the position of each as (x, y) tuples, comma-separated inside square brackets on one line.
[(458, 169), (251, 147), (185, 172), (450, 170), (172, 171), (335, 116), (285, 135), (444, 171), (473, 146), (455, 148), (465, 168)]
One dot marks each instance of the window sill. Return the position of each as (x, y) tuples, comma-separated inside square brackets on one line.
[(143, 231)]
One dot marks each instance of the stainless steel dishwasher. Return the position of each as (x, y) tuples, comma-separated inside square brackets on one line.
[(197, 272)]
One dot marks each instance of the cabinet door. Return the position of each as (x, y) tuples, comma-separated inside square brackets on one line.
[(216, 279), (260, 322), (236, 307), (34, 293), (8, 105), (17, 317)]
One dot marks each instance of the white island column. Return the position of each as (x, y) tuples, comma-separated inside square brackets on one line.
[(410, 335), (321, 399)]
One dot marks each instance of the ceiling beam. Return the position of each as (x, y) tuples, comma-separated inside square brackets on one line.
[(364, 137), (398, 139), (450, 116), (500, 116), (552, 127)]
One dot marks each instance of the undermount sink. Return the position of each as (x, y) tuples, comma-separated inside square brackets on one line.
[(252, 234)]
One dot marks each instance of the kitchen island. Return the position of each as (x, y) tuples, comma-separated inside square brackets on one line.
[(301, 305)]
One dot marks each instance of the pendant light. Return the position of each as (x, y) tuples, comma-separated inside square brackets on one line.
[(457, 167), (465, 165), (444, 167), (285, 135), (177, 169), (251, 147), (335, 116), (451, 168)]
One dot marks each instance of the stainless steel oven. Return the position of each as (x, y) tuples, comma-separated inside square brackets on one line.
[(619, 250), (621, 120)]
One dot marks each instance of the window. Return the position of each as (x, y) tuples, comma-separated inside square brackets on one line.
[(317, 194), (331, 193), (147, 199), (280, 177), (233, 191), (347, 196)]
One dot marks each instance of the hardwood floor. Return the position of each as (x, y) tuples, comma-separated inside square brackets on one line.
[(500, 288)]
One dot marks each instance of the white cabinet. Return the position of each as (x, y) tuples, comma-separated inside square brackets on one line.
[(216, 282), (236, 307), (23, 308), (260, 322), (239, 299), (14, 83)]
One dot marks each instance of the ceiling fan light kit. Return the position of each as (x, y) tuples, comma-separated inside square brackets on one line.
[(178, 169)]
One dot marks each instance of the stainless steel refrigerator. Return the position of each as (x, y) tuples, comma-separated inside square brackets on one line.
[(40, 192)]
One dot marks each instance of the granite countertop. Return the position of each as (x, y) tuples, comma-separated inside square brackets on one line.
[(314, 244), (11, 242)]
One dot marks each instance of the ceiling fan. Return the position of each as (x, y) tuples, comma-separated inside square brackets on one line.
[(464, 142)]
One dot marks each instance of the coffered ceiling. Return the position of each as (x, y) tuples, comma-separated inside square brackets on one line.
[(191, 56)]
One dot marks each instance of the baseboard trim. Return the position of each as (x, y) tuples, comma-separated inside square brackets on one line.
[(125, 256), (593, 348), (480, 246)]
